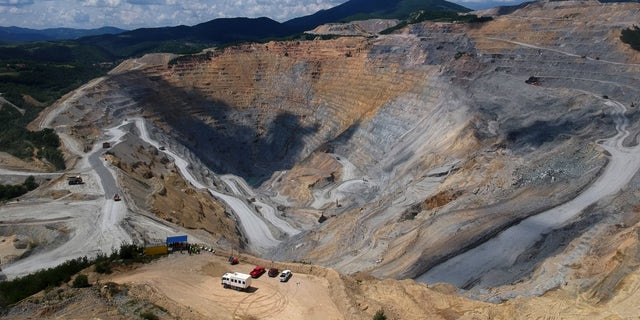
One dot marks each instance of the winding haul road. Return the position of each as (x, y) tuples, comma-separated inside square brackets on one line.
[(95, 225), (485, 265), (256, 230)]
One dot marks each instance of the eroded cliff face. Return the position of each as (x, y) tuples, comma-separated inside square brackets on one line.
[(416, 145)]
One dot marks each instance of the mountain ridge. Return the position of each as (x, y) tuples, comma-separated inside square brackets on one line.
[(15, 34), (223, 31)]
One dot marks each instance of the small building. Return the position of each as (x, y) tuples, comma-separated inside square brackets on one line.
[(176, 239), (177, 243)]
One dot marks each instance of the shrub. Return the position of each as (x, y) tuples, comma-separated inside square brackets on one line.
[(13, 191), (130, 252), (380, 315), (631, 36), (81, 281), (103, 267), (30, 183), (148, 315)]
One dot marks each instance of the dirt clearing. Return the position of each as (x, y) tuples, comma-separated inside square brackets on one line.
[(188, 286)]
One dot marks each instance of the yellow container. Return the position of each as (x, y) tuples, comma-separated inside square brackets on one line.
[(155, 250)]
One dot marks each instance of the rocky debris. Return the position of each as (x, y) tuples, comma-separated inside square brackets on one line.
[(355, 28)]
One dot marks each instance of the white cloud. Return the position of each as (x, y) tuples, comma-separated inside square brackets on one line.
[(147, 2), (15, 3), (132, 14), (100, 3), (80, 17)]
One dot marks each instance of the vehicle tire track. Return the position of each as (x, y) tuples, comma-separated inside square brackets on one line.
[(267, 305)]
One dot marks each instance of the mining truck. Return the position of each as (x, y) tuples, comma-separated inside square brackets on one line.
[(75, 180)]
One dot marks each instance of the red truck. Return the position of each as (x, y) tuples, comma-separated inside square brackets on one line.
[(257, 271)]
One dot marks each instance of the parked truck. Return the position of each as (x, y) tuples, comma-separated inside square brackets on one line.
[(74, 180), (236, 280)]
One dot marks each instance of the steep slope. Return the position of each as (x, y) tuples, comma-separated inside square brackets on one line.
[(415, 146)]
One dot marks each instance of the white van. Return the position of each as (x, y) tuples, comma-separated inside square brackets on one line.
[(285, 275), (236, 280)]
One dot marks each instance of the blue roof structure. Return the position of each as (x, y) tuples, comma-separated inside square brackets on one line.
[(176, 239)]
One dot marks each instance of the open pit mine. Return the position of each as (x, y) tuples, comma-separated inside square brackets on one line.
[(500, 158)]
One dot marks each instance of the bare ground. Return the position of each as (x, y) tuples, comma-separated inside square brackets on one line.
[(182, 286)]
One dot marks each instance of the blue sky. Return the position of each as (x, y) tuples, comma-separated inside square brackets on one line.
[(132, 14)]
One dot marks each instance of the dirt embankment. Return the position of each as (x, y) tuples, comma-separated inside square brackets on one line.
[(11, 248)]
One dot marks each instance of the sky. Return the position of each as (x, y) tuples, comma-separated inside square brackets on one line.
[(133, 14)]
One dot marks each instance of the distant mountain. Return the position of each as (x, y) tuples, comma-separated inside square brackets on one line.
[(214, 32), (17, 34), (184, 39), (370, 9)]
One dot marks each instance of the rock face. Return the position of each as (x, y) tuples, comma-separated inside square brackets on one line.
[(416, 146)]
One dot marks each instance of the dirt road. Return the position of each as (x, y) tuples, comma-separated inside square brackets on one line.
[(485, 265), (256, 229)]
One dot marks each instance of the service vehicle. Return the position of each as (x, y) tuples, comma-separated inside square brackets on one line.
[(236, 280)]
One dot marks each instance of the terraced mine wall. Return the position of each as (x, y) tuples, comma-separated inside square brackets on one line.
[(416, 146), (275, 103)]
